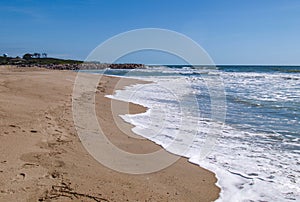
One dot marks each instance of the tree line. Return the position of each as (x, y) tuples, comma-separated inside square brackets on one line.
[(28, 56)]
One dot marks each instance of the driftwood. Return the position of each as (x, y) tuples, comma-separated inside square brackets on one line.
[(64, 190)]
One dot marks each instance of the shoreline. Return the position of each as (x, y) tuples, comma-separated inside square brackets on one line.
[(50, 153)]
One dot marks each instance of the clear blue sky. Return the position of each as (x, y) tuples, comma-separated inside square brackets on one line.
[(232, 32)]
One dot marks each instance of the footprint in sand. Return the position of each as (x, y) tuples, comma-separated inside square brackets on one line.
[(47, 117), (22, 175), (29, 165), (19, 177)]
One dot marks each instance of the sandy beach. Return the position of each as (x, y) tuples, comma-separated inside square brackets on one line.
[(42, 158)]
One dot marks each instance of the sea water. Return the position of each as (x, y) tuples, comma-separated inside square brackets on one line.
[(256, 152)]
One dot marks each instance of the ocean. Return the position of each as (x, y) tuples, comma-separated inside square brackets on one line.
[(256, 147)]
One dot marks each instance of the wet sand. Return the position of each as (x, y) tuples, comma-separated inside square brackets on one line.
[(42, 158)]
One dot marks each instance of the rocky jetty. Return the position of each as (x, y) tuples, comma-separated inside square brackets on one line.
[(127, 66), (29, 60)]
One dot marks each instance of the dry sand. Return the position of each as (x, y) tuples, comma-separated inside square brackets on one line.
[(42, 158)]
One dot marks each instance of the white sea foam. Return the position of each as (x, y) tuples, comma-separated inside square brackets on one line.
[(250, 166)]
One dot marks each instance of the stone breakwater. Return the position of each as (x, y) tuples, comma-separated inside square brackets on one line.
[(85, 66), (126, 66)]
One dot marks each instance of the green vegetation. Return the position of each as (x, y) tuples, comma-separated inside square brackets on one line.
[(42, 61), (35, 59), (55, 61)]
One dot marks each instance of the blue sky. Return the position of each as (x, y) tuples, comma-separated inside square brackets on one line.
[(231, 31)]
